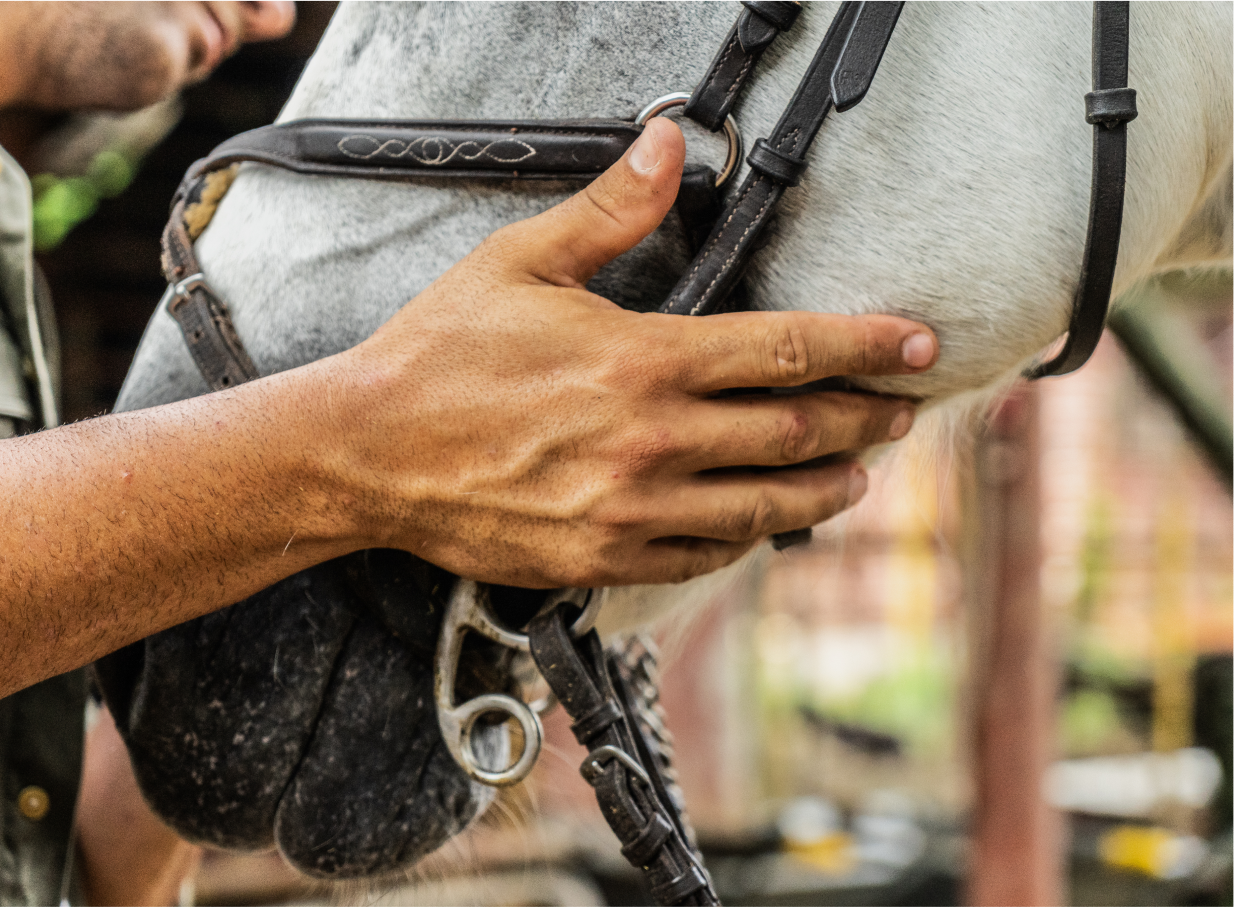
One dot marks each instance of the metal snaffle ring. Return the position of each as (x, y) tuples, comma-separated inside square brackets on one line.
[(731, 132), (468, 611), (533, 737)]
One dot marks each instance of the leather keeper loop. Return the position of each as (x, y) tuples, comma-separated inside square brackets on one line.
[(643, 849), (595, 721), (779, 13), (680, 888), (775, 165), (1110, 106)]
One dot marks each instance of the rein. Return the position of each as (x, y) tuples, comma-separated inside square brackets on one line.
[(611, 696)]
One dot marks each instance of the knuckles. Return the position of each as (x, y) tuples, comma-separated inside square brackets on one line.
[(786, 354), (749, 522), (760, 518), (639, 364), (797, 437), (703, 556)]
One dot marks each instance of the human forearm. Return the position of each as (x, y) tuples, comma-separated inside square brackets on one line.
[(117, 527)]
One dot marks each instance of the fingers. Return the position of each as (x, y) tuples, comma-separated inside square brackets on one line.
[(743, 507), (723, 517), (781, 431), (679, 558), (567, 244), (784, 349)]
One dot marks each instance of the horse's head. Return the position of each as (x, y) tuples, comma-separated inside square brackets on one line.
[(956, 195)]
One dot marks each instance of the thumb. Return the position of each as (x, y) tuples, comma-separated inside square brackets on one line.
[(568, 243)]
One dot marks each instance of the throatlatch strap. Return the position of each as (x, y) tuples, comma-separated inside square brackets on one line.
[(1108, 107)]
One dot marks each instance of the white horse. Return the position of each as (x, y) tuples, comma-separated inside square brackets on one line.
[(956, 194)]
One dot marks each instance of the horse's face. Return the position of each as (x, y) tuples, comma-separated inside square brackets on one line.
[(955, 194)]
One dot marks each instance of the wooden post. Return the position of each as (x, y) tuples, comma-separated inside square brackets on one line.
[(1017, 854)]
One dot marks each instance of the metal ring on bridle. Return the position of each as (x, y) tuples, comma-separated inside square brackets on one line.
[(533, 737), (468, 611), (731, 132)]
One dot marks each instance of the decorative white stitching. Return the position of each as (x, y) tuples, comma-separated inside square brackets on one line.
[(728, 262), (728, 97), (433, 150), (702, 256)]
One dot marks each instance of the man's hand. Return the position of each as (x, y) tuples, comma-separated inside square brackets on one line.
[(515, 428)]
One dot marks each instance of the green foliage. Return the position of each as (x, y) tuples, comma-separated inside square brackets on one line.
[(61, 203), (914, 703)]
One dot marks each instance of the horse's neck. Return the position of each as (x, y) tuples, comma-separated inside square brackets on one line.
[(957, 193)]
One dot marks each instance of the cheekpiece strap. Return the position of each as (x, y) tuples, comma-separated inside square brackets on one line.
[(634, 794), (747, 40), (845, 63)]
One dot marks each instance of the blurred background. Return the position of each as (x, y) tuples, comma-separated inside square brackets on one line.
[(1006, 678)]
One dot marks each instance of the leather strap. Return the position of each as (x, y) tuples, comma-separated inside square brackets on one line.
[(839, 77), (204, 319), (406, 149), (622, 763), (747, 40), (393, 150), (845, 62), (1109, 107)]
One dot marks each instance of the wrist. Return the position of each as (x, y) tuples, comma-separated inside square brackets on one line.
[(348, 407), (305, 462)]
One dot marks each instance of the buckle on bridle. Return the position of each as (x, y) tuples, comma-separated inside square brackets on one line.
[(181, 289), (594, 764)]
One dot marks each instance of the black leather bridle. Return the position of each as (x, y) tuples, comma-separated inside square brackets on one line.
[(628, 767)]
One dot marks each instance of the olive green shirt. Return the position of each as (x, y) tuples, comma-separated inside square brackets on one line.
[(41, 728)]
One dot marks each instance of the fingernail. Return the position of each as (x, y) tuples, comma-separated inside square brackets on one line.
[(857, 485), (900, 424), (918, 350), (645, 155)]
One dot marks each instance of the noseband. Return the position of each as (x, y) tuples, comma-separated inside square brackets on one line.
[(611, 696)]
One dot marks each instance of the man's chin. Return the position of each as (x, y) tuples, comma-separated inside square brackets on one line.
[(167, 55), (95, 59)]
